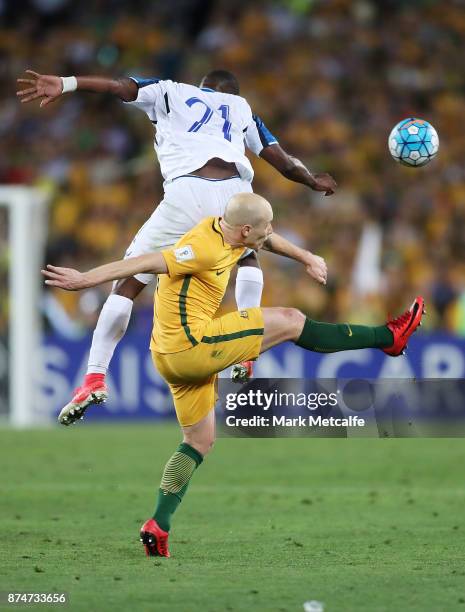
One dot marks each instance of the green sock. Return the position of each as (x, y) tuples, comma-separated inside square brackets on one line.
[(175, 480), (330, 338)]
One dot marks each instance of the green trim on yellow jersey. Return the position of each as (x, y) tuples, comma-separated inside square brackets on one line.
[(183, 311), (233, 336)]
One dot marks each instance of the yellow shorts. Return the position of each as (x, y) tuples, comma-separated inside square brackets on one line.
[(191, 374)]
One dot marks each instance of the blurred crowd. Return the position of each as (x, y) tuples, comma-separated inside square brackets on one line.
[(329, 78)]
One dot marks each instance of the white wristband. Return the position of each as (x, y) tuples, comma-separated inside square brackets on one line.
[(69, 84)]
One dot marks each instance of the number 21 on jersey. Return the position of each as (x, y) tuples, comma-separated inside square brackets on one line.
[(224, 109)]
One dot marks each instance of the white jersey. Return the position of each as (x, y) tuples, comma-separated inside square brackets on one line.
[(194, 125)]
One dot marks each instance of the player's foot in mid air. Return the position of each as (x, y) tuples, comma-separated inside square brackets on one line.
[(92, 391), (154, 539), (242, 372), (403, 327)]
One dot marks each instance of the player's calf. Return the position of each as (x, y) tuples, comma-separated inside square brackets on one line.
[(392, 337), (174, 483)]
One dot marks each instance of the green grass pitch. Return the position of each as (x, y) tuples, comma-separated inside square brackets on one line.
[(362, 525)]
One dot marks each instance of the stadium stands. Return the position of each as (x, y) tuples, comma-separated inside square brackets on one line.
[(330, 81)]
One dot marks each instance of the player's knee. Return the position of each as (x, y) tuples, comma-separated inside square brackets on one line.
[(202, 447), (210, 445), (202, 444), (128, 288), (124, 293), (294, 320), (250, 260)]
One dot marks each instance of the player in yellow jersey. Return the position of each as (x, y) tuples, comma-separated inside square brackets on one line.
[(190, 346)]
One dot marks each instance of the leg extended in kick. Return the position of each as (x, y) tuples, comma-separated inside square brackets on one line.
[(289, 324)]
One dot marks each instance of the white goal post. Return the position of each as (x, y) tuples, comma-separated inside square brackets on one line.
[(25, 234)]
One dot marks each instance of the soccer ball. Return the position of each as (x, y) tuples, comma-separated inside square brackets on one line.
[(413, 142)]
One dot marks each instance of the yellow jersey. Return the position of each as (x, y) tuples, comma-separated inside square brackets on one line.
[(187, 298)]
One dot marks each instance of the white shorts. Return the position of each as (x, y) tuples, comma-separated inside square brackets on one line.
[(187, 200)]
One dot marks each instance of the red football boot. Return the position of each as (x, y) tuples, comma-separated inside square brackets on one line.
[(93, 391), (242, 372), (404, 326), (154, 539)]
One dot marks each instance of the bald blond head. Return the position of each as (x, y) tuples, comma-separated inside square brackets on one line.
[(248, 209)]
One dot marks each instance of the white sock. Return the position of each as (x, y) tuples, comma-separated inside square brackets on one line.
[(249, 287), (111, 326)]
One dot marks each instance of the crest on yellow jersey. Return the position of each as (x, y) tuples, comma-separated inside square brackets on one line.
[(184, 253)]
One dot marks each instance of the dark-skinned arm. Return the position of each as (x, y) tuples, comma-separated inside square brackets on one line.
[(294, 170), (49, 87)]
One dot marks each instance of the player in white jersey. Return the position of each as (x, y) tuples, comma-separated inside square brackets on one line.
[(200, 138)]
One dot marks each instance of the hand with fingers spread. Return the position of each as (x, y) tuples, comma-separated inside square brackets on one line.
[(316, 267), (47, 87), (65, 278)]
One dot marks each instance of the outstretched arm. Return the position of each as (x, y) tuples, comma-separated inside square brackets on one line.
[(50, 87), (294, 170), (72, 280), (315, 265)]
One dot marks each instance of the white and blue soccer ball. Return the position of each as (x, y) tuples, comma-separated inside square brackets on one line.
[(413, 142)]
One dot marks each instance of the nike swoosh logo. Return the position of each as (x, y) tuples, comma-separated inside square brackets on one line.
[(218, 273), (350, 331), (414, 313)]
